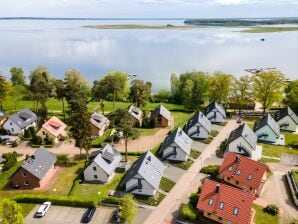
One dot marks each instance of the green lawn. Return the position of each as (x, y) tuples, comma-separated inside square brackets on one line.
[(150, 200), (262, 217), (194, 154), (26, 208), (181, 118), (295, 175), (290, 138), (267, 160), (166, 184), (148, 131), (96, 142), (276, 150), (183, 165)]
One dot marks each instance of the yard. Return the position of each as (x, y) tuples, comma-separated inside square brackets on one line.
[(181, 118), (276, 150), (166, 184), (290, 138), (262, 217)]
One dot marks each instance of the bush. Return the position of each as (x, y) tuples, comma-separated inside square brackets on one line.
[(112, 200), (272, 209), (36, 140), (193, 199), (14, 144), (223, 145), (212, 170), (10, 160), (48, 140), (32, 131), (27, 134), (188, 213), (62, 160), (56, 200)]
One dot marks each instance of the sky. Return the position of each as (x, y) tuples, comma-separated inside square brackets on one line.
[(150, 8)]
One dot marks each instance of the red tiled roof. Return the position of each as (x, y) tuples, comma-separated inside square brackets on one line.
[(247, 167), (231, 198), (55, 126)]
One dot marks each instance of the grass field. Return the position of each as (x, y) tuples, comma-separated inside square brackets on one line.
[(262, 217), (181, 118), (290, 138), (269, 29), (276, 150), (267, 160), (26, 208), (166, 184)]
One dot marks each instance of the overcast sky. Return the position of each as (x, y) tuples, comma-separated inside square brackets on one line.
[(149, 8)]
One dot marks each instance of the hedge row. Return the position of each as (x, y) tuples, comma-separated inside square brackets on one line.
[(112, 200), (56, 200)]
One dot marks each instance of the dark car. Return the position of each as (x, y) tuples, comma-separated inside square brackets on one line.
[(116, 218), (88, 215)]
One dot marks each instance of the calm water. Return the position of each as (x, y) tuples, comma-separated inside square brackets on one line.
[(151, 54)]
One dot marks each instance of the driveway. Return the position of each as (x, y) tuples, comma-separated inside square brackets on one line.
[(280, 196), (289, 159), (173, 173), (199, 146), (217, 127), (143, 214), (69, 215)]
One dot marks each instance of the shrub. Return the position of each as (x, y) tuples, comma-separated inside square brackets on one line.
[(212, 170), (32, 131), (62, 160), (272, 209), (14, 144), (193, 199), (112, 200), (10, 160), (36, 140), (48, 140), (27, 134), (223, 145), (188, 213)]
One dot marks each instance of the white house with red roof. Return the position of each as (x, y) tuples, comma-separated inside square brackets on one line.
[(225, 204), (54, 127), (243, 172)]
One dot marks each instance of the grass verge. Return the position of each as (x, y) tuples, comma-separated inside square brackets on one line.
[(166, 184), (262, 217)]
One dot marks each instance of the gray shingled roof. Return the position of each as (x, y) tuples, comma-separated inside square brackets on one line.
[(135, 112), (267, 120), (180, 138), (286, 112), (201, 119), (40, 163), (98, 120), (217, 106), (162, 111), (108, 159), (149, 167), (23, 118), (245, 131)]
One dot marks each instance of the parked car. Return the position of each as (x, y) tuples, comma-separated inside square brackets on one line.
[(43, 209), (88, 215), (116, 218)]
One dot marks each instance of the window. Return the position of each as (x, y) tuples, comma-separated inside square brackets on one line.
[(26, 183), (95, 176), (249, 177), (24, 174), (12, 129), (43, 132), (238, 172), (221, 205), (229, 222), (236, 211), (94, 168), (239, 149), (220, 218), (230, 168), (250, 188), (209, 214), (228, 178), (210, 202), (237, 182), (10, 123)]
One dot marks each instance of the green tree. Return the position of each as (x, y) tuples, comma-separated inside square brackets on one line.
[(17, 76), (117, 83), (40, 86), (220, 86), (4, 89), (163, 95), (292, 95), (123, 122), (99, 92), (128, 209), (175, 90), (10, 212), (140, 92), (60, 93), (193, 88), (242, 90), (268, 87)]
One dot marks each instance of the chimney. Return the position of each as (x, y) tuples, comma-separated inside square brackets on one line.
[(217, 188), (237, 158)]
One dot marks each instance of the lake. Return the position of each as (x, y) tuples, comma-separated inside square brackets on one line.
[(151, 54)]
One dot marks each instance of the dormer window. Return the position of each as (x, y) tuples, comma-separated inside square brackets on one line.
[(238, 172), (221, 205), (236, 211), (210, 202), (230, 168), (249, 177)]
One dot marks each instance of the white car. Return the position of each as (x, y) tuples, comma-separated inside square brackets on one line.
[(43, 209)]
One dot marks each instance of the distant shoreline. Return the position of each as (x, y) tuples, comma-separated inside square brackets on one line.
[(142, 26), (269, 29)]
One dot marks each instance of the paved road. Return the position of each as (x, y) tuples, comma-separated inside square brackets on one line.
[(171, 203), (69, 215)]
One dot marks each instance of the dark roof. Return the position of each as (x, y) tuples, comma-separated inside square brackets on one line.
[(245, 131), (149, 167), (247, 167), (180, 138), (161, 110), (286, 112), (23, 118), (201, 119), (267, 120), (109, 159), (231, 197), (40, 163), (215, 105)]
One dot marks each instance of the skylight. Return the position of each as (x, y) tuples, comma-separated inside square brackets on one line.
[(221, 205), (236, 210), (210, 202), (249, 177), (230, 168), (238, 172)]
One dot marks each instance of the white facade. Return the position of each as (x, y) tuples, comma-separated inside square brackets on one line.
[(287, 124), (146, 189), (215, 116), (179, 156), (95, 173), (14, 129), (197, 131)]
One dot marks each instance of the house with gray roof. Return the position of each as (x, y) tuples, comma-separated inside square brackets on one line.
[(18, 122), (136, 113), (266, 129), (99, 123), (144, 177), (161, 117), (286, 119), (243, 141), (215, 112), (102, 168), (35, 171), (176, 146), (198, 127)]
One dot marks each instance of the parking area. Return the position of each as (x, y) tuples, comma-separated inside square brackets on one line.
[(143, 214), (217, 127), (173, 173), (199, 146), (69, 215)]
